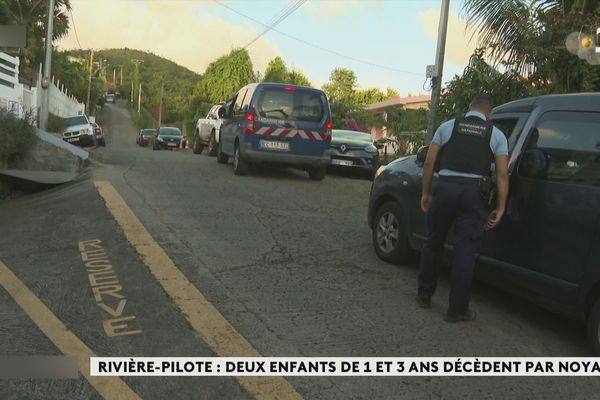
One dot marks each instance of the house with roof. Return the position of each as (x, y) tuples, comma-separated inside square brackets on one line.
[(403, 103)]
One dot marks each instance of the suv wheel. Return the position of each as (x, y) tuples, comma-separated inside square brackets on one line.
[(197, 147), (317, 174), (240, 166), (212, 145), (593, 327), (389, 234)]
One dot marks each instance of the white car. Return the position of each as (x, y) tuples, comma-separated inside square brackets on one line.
[(79, 131), (208, 132)]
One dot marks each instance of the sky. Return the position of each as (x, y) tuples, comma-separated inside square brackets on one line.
[(387, 43)]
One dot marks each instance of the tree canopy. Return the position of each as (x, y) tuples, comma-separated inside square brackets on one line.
[(225, 76), (529, 36), (33, 14)]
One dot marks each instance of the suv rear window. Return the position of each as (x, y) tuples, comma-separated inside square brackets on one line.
[(297, 105)]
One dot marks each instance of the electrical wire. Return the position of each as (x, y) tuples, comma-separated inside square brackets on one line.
[(285, 13), (75, 29), (314, 45)]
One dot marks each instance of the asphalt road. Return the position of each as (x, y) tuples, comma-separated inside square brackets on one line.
[(287, 261)]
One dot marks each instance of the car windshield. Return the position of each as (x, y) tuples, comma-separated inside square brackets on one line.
[(297, 105), (170, 131), (148, 132), (352, 135), (78, 120)]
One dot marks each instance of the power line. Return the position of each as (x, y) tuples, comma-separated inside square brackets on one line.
[(75, 29), (317, 46), (285, 13)]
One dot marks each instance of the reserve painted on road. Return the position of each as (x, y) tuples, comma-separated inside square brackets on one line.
[(204, 318), (107, 289)]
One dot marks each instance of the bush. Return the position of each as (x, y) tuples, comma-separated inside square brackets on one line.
[(16, 138), (55, 124), (143, 119)]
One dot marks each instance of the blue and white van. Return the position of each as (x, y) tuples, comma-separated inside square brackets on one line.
[(278, 124)]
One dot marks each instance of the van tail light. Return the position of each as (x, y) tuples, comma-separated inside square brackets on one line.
[(290, 88), (249, 124), (328, 132)]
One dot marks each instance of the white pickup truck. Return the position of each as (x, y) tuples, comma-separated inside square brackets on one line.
[(208, 132)]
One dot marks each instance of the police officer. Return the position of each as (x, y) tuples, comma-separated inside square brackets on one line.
[(466, 148)]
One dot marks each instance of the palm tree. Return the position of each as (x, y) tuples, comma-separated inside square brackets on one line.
[(529, 36), (32, 14)]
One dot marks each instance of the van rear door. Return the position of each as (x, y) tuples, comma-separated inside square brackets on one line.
[(290, 119)]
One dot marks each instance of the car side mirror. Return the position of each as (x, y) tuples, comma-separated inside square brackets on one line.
[(421, 155), (222, 112), (534, 163), (379, 145)]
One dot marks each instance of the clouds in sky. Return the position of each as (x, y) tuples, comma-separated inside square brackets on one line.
[(182, 33), (459, 46), (324, 11)]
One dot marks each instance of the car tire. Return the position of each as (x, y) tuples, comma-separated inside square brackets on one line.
[(197, 147), (212, 145), (222, 158), (593, 327), (389, 234), (240, 165), (317, 174)]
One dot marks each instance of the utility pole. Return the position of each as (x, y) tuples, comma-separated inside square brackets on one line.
[(133, 79), (121, 75), (162, 85), (89, 91), (140, 98), (114, 77), (436, 79), (45, 106)]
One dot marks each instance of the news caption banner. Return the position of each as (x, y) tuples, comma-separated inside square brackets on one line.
[(343, 366)]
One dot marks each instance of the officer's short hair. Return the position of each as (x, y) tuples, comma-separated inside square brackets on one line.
[(482, 102)]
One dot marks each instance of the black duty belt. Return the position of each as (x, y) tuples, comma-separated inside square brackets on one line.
[(460, 179)]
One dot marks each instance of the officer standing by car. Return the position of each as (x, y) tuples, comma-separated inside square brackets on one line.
[(466, 148)]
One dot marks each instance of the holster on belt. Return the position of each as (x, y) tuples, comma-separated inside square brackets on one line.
[(486, 186)]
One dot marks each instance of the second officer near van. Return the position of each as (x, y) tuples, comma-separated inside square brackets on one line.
[(466, 148)]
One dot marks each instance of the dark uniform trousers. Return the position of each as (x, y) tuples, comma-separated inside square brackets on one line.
[(463, 205)]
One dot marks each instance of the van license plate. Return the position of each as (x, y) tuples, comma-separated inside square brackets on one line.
[(341, 162), (172, 144), (273, 145)]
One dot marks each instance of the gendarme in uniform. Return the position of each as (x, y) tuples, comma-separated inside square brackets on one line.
[(468, 148)]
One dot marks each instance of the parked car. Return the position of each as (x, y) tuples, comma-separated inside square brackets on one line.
[(208, 132), (99, 134), (278, 124), (354, 151), (79, 130), (547, 247), (168, 138), (110, 98), (144, 136)]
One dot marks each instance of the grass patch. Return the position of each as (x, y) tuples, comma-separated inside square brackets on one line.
[(143, 119), (16, 138), (55, 124)]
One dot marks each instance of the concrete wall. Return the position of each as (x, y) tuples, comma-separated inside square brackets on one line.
[(50, 153), (19, 99)]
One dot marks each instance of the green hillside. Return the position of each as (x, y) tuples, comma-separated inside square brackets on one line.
[(179, 82)]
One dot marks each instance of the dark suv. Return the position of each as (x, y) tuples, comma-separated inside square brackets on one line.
[(547, 247)]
